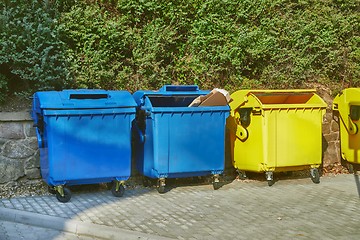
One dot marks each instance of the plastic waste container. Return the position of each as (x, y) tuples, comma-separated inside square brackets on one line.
[(276, 131), (84, 137), (175, 140), (347, 106)]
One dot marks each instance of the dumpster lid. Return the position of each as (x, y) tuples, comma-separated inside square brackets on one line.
[(84, 99), (348, 96), (171, 90), (272, 99)]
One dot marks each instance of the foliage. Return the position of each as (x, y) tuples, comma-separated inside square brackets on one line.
[(95, 46), (30, 47), (3, 87), (227, 43), (116, 44)]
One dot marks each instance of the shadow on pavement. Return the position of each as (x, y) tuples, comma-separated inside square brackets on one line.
[(46, 212), (357, 181), (173, 183), (93, 204)]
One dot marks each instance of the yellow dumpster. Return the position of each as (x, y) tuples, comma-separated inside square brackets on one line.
[(276, 131), (347, 106)]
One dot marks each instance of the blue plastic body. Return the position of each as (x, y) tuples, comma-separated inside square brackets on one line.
[(84, 136), (175, 140)]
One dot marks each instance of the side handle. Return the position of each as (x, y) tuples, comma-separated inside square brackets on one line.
[(346, 116), (39, 129), (235, 127), (39, 138), (179, 88), (140, 134), (352, 128)]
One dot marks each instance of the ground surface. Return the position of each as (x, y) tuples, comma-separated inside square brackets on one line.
[(293, 208), (38, 187)]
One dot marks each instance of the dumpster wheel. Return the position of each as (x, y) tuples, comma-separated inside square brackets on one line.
[(117, 189), (216, 185), (270, 182), (270, 178), (216, 182), (65, 196), (161, 185), (52, 190), (241, 174), (315, 175), (352, 168)]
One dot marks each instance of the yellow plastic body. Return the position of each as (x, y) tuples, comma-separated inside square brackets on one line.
[(283, 130), (349, 123)]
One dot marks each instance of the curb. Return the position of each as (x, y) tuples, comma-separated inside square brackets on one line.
[(73, 226)]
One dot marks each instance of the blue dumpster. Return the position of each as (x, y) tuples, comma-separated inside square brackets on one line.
[(84, 137), (174, 140)]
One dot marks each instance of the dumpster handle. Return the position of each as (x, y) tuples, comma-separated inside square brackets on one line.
[(85, 96), (40, 140), (240, 132), (353, 128), (140, 133), (179, 88), (350, 126), (39, 128)]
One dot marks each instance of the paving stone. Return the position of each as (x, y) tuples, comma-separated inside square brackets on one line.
[(294, 208), (16, 231)]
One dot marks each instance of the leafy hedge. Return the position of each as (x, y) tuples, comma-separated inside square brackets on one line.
[(214, 43), (31, 52)]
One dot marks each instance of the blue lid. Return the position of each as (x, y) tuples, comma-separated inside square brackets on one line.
[(170, 90), (82, 99)]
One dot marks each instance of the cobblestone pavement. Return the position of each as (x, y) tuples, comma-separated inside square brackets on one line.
[(290, 209), (17, 231)]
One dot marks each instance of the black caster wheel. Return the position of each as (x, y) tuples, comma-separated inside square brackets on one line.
[(270, 178), (161, 189), (216, 185), (108, 185), (315, 175), (51, 190), (351, 168), (242, 175), (356, 169), (161, 185), (118, 193), (66, 197), (270, 182)]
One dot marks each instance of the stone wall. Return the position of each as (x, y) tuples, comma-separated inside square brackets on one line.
[(331, 143), (331, 140), (19, 154)]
